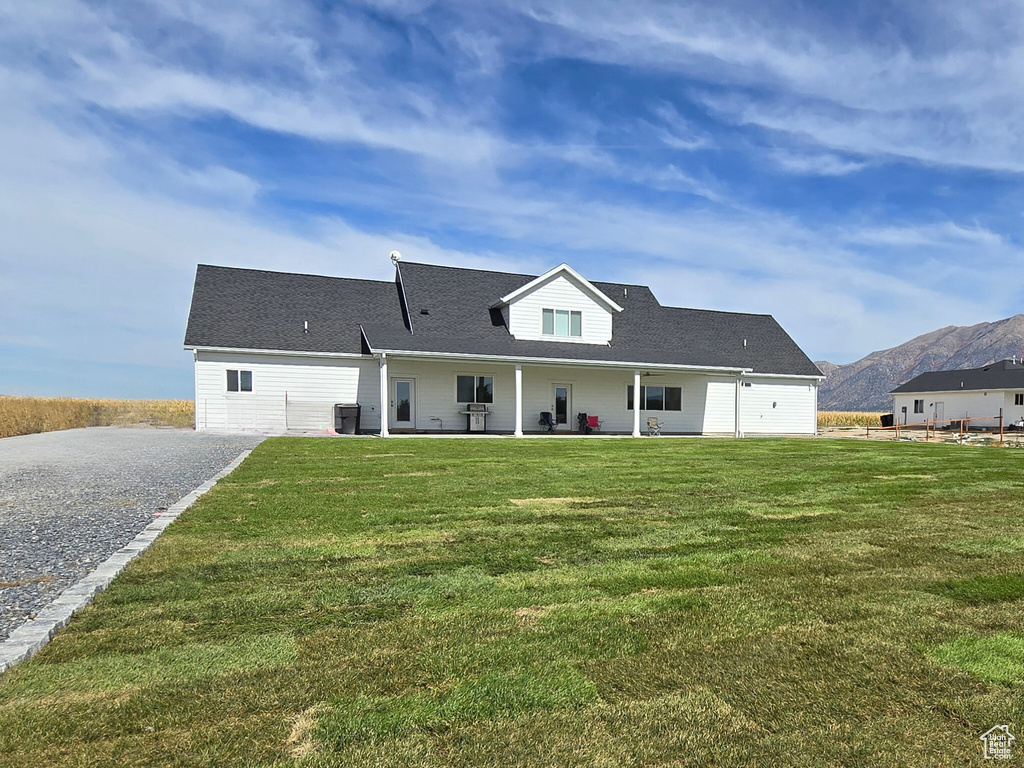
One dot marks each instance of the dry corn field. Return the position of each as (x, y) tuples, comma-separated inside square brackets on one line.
[(848, 419), (26, 415)]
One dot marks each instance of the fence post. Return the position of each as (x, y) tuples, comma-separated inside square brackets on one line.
[(1000, 427)]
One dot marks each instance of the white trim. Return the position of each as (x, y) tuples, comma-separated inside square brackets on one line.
[(519, 401), (815, 410), (281, 352), (375, 353), (562, 268), (751, 375), (636, 403), (564, 361), (738, 431), (413, 400), (385, 396), (195, 391)]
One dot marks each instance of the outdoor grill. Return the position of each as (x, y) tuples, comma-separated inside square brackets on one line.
[(476, 417)]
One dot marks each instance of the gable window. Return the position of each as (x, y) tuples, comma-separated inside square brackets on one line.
[(656, 398), (919, 406), (474, 389), (239, 381), (561, 322), (1018, 398)]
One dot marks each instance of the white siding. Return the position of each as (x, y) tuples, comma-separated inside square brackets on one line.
[(708, 402), (778, 407), (310, 386), (524, 314), (435, 395), (957, 405), (1011, 412), (720, 407)]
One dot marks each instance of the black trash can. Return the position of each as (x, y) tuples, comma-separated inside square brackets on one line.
[(886, 419), (346, 418)]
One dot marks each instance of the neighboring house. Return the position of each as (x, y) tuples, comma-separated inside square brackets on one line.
[(275, 351), (946, 396)]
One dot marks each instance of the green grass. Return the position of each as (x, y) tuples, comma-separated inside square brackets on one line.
[(554, 603)]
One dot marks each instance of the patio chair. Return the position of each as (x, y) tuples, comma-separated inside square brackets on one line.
[(582, 424), (593, 422), (547, 421), (654, 426)]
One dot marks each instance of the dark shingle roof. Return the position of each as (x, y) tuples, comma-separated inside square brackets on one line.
[(262, 310), (253, 309), (1005, 374)]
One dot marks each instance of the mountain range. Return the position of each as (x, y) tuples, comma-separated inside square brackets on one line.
[(865, 384)]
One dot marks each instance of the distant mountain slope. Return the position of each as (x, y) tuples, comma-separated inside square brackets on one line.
[(865, 384)]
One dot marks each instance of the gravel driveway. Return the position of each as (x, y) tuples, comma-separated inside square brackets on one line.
[(69, 500)]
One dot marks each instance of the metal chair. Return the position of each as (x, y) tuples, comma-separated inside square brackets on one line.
[(582, 424), (654, 426), (547, 421)]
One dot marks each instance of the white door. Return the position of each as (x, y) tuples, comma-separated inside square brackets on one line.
[(562, 405), (940, 411), (403, 404)]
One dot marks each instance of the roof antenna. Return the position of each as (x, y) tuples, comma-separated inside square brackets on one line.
[(395, 257)]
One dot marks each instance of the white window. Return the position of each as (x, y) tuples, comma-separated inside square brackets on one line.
[(561, 322), (1018, 398), (239, 381), (919, 406), (474, 389), (656, 398)]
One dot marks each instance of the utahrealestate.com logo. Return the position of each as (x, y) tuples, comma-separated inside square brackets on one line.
[(998, 741)]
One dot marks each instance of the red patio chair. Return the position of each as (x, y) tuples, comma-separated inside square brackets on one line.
[(593, 423)]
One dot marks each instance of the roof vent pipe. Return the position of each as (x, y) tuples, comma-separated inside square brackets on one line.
[(305, 326)]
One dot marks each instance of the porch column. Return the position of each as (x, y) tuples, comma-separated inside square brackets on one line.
[(816, 409), (739, 389), (519, 401), (384, 395), (636, 403)]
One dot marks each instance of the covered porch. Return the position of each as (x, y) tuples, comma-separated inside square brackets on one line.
[(431, 394)]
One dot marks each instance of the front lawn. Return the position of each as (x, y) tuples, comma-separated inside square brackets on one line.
[(428, 602)]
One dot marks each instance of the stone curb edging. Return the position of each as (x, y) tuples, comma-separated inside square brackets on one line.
[(25, 641)]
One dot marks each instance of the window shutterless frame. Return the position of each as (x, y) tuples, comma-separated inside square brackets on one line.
[(656, 398), (561, 322), (239, 381), (474, 389)]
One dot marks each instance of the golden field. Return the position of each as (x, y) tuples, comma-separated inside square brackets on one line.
[(848, 419), (26, 415)]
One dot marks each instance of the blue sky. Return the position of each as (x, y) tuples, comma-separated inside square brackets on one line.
[(852, 168)]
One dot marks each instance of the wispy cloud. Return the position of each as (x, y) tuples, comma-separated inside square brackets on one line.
[(686, 145), (823, 164)]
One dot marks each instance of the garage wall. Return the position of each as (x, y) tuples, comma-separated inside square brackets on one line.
[(294, 394), (778, 406)]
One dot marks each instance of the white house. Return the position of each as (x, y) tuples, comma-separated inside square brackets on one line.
[(980, 393), (275, 352)]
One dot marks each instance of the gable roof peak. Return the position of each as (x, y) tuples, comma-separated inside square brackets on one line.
[(561, 269)]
